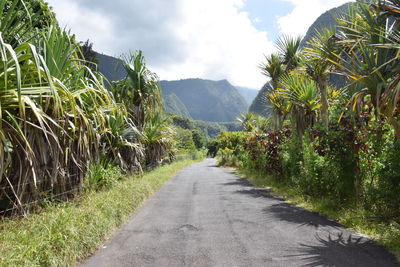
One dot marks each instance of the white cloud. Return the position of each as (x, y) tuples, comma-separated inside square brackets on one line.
[(180, 38), (304, 13), (222, 43), (257, 20)]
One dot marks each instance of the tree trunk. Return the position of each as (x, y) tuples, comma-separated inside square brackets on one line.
[(323, 87)]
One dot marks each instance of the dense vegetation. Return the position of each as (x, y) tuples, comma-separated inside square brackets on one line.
[(210, 130), (59, 122), (340, 146)]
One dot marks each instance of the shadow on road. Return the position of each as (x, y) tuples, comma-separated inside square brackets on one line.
[(333, 249), (256, 193), (282, 210), (250, 189), (344, 251), (212, 166), (239, 181), (291, 213)]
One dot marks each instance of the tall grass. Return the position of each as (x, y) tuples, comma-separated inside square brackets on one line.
[(56, 115), (63, 234)]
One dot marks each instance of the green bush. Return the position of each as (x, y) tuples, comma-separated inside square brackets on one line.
[(199, 139), (100, 176), (184, 140), (212, 148), (383, 194), (317, 176), (230, 148), (291, 156)]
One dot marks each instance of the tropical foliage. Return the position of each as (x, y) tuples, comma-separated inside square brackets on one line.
[(57, 116), (340, 144)]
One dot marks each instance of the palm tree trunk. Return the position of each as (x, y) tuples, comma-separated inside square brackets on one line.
[(323, 84)]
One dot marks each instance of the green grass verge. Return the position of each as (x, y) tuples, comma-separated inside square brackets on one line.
[(357, 218), (64, 234)]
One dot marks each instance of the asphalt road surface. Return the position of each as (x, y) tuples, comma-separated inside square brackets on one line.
[(207, 216)]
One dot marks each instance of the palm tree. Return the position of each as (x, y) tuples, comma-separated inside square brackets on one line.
[(368, 57), (253, 122), (141, 94), (155, 139), (280, 107), (389, 104), (303, 98), (290, 52), (282, 63), (273, 68), (140, 91), (320, 50)]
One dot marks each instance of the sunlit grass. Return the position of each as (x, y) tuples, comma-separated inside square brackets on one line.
[(66, 233)]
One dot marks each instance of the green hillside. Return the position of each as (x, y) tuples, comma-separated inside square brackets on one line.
[(260, 104), (172, 104), (110, 67), (207, 128), (193, 98), (207, 100)]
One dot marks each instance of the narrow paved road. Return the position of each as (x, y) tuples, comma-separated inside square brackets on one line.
[(207, 216)]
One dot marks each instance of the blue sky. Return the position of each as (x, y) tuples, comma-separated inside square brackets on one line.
[(210, 39), (264, 14)]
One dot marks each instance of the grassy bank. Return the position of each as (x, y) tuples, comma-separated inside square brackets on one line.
[(386, 234), (66, 233)]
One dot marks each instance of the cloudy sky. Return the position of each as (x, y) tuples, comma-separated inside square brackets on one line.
[(211, 39)]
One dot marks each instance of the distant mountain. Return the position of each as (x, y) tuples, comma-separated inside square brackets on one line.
[(111, 67), (326, 20), (172, 104), (260, 104), (248, 93), (207, 100)]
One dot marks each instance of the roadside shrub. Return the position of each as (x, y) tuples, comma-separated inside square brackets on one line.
[(383, 196), (291, 156), (264, 150), (227, 157), (317, 174), (212, 148), (199, 139), (101, 175), (183, 140), (340, 147), (230, 147)]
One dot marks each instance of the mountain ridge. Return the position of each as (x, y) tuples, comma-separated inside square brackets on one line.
[(194, 98), (207, 100)]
